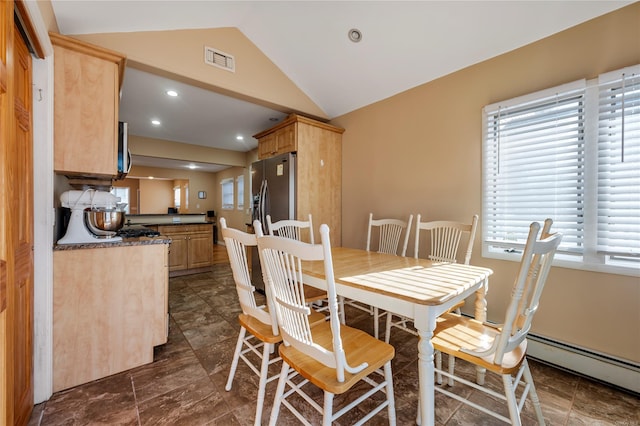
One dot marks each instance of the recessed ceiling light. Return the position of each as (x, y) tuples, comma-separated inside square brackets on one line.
[(240, 137), (150, 177), (155, 122), (355, 35), (172, 93), (192, 166)]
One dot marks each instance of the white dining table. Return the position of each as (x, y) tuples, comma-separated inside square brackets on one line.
[(415, 288)]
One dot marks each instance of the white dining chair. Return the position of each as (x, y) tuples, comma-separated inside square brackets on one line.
[(331, 356), (258, 325), (302, 230), (384, 235), (501, 348)]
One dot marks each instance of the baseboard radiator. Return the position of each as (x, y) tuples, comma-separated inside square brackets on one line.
[(604, 368)]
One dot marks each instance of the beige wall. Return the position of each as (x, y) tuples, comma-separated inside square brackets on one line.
[(198, 181), (420, 152), (155, 196)]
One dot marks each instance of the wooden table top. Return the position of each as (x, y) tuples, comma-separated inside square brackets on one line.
[(419, 281)]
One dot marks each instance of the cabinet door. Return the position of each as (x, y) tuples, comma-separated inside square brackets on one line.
[(286, 139), (178, 252), (86, 111), (267, 146), (200, 250)]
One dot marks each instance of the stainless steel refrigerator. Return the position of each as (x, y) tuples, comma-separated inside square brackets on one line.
[(273, 192)]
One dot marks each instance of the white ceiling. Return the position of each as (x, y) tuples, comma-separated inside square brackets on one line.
[(404, 44)]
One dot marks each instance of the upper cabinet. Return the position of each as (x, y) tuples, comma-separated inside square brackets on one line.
[(87, 81)]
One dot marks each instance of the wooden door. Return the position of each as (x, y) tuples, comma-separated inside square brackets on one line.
[(20, 191), (6, 26)]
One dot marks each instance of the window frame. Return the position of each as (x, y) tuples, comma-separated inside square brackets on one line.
[(227, 190)]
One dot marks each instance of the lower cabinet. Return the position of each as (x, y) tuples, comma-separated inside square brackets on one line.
[(191, 246), (110, 308)]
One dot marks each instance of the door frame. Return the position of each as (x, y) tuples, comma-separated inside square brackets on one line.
[(43, 212)]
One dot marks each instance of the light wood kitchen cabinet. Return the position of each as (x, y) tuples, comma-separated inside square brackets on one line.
[(318, 170), (87, 81), (110, 308), (278, 142), (191, 246)]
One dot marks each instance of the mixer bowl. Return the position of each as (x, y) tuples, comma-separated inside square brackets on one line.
[(104, 222)]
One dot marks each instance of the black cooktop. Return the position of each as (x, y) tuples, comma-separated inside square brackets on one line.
[(135, 231)]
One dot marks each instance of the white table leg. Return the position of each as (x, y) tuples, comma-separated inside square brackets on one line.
[(481, 315), (426, 371)]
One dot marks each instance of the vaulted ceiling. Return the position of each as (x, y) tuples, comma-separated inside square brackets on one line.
[(403, 44)]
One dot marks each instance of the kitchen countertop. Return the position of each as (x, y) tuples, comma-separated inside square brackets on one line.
[(138, 241)]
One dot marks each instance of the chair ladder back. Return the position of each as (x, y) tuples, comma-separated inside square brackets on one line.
[(534, 268), (445, 237), (444, 244), (237, 244), (291, 228), (389, 234)]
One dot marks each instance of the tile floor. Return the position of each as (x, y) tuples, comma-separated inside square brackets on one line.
[(185, 383)]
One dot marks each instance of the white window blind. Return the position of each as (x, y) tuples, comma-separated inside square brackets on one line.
[(619, 163), (227, 193), (534, 166), (571, 153), (240, 185)]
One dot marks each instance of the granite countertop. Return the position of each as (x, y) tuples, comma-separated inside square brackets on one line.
[(138, 241)]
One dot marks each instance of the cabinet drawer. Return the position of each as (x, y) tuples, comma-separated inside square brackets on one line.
[(184, 229)]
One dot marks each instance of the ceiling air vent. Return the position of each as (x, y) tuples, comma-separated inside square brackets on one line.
[(219, 59)]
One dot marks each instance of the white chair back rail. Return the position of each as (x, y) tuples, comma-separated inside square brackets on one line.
[(445, 237), (291, 228), (389, 234)]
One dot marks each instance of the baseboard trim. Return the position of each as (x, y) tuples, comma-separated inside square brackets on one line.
[(616, 372)]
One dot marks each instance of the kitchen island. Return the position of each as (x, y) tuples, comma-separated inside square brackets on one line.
[(110, 307)]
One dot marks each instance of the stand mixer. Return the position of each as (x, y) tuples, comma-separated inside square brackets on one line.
[(80, 230)]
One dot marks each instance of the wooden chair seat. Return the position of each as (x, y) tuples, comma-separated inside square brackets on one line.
[(454, 332), (359, 347), (260, 330)]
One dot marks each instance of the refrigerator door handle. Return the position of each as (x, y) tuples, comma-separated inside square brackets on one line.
[(264, 207)]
